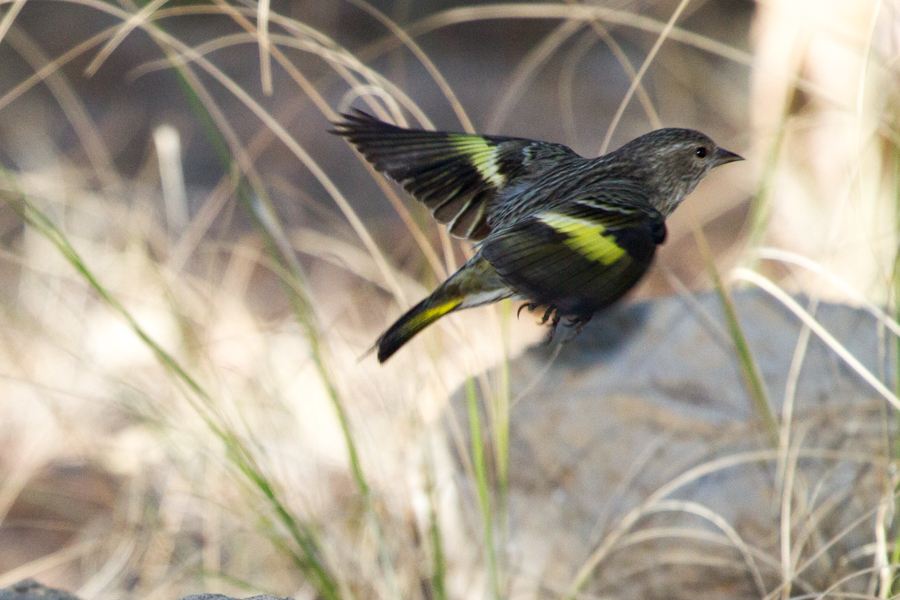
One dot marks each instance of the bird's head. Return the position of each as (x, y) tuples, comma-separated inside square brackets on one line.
[(672, 163)]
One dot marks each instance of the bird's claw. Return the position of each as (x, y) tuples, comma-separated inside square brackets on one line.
[(529, 305)]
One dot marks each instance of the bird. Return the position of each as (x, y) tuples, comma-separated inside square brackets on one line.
[(568, 234)]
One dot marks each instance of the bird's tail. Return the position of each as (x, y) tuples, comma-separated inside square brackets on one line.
[(476, 283), (415, 320)]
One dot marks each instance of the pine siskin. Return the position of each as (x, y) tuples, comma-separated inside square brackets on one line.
[(556, 230)]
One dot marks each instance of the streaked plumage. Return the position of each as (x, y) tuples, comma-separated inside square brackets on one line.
[(554, 229)]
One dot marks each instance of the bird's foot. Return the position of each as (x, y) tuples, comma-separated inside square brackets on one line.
[(576, 323), (531, 306), (547, 316)]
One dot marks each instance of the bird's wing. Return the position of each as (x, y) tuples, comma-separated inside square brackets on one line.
[(581, 256), (456, 175)]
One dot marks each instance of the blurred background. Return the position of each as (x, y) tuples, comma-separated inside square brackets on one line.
[(193, 268)]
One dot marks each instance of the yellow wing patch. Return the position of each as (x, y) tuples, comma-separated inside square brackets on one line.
[(585, 237), (482, 155)]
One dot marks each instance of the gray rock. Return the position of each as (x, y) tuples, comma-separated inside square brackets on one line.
[(649, 392), (29, 589)]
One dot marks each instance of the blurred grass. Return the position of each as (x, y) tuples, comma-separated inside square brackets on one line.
[(273, 458)]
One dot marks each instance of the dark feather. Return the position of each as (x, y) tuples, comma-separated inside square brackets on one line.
[(582, 256), (457, 176)]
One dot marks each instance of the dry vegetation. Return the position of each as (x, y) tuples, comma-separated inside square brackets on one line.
[(184, 407)]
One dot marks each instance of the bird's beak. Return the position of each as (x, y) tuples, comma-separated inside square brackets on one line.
[(725, 157)]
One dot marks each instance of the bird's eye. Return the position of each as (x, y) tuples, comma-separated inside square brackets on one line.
[(700, 152)]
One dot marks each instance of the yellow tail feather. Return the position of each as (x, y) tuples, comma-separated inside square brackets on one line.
[(415, 320)]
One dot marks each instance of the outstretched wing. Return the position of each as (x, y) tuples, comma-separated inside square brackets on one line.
[(581, 256), (456, 175)]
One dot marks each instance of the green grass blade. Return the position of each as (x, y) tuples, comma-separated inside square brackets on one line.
[(438, 558), (500, 426), (481, 483), (752, 377)]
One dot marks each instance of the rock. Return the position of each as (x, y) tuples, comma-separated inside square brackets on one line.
[(29, 589), (639, 444)]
